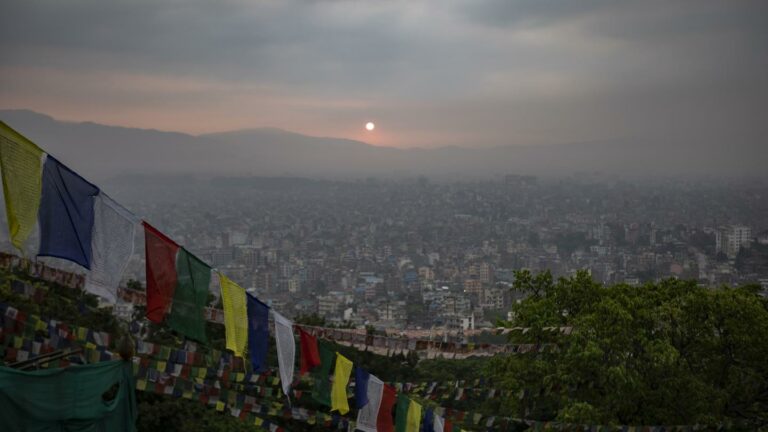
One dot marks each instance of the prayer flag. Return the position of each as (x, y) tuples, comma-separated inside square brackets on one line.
[(361, 387), (160, 254), (429, 423), (322, 391), (286, 350), (69, 399), (177, 285), (111, 247), (236, 320), (442, 425), (22, 172), (384, 421), (401, 413), (66, 214), (258, 330), (190, 296), (368, 413), (340, 380), (413, 421), (310, 357)]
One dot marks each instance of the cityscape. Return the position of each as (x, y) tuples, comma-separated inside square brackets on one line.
[(384, 216), (418, 255)]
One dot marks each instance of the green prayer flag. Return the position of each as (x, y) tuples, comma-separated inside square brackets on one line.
[(322, 389), (401, 413), (190, 297), (82, 398)]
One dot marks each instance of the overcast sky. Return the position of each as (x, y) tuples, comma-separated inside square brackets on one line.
[(429, 73)]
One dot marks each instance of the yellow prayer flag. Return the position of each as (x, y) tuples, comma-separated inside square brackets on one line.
[(22, 172), (235, 315), (413, 421), (220, 406), (340, 380)]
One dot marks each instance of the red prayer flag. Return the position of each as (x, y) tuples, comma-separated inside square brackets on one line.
[(161, 272), (447, 426), (384, 421), (310, 355)]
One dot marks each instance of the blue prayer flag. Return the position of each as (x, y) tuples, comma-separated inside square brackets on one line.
[(428, 425), (361, 387), (66, 214), (258, 333)]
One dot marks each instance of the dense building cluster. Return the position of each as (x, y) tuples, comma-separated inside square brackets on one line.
[(422, 255)]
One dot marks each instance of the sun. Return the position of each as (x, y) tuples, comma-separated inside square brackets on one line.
[(370, 126)]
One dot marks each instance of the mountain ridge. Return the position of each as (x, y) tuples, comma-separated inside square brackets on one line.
[(103, 151)]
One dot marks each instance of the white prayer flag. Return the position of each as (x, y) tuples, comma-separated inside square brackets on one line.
[(286, 350), (439, 424), (111, 246), (368, 414)]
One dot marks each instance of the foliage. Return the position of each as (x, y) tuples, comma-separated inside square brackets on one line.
[(162, 413), (662, 353)]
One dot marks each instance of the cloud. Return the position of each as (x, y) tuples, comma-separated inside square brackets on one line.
[(486, 72)]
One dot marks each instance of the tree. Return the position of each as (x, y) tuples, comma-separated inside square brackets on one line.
[(663, 353)]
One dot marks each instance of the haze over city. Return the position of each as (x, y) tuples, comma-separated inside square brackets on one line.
[(681, 84)]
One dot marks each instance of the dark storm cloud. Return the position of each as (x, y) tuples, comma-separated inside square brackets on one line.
[(431, 72)]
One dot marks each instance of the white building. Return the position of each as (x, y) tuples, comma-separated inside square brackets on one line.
[(730, 239)]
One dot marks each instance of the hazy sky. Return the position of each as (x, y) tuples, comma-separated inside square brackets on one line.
[(429, 73)]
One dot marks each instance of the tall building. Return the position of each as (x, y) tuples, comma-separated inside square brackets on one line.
[(730, 239)]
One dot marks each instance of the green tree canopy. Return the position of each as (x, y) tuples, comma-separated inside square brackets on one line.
[(669, 353)]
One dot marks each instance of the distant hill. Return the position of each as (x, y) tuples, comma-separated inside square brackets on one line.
[(100, 151)]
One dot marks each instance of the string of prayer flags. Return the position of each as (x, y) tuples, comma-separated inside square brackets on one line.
[(340, 380), (310, 357), (258, 326), (111, 247), (236, 318), (368, 411), (22, 173), (165, 377), (77, 221), (286, 350), (322, 389)]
